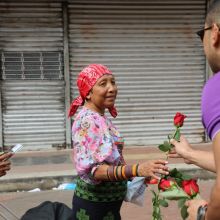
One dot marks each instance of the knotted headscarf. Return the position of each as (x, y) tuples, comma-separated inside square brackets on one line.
[(85, 81)]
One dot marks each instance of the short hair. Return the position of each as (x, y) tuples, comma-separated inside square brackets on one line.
[(213, 14)]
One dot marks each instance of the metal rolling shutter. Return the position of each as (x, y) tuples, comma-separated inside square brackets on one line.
[(158, 61), (31, 26), (32, 107), (33, 113)]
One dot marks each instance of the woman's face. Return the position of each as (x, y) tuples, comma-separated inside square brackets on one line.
[(103, 93)]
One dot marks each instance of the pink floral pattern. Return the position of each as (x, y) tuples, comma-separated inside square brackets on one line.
[(95, 141)]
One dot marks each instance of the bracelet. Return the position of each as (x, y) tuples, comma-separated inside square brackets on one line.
[(122, 172), (201, 212), (110, 173), (137, 174)]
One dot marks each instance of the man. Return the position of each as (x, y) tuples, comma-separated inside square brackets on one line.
[(5, 164), (210, 107)]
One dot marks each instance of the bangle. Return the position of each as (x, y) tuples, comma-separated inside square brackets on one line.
[(128, 171), (123, 172), (110, 173), (94, 169), (201, 212), (134, 169), (116, 173), (137, 169)]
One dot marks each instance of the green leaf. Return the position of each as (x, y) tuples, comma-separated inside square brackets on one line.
[(163, 148), (174, 194), (156, 215), (181, 202), (167, 144), (173, 172), (176, 174), (179, 175), (186, 177), (177, 135), (163, 203), (184, 212), (178, 181)]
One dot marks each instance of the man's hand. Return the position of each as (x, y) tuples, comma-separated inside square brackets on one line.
[(193, 206), (182, 148), (5, 164)]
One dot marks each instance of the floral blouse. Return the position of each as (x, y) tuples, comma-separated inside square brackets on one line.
[(95, 141)]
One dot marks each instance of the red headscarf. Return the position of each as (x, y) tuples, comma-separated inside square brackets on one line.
[(85, 81)]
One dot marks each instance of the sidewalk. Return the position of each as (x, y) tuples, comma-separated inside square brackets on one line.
[(20, 202), (48, 169)]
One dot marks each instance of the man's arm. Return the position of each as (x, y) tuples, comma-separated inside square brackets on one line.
[(203, 159), (213, 212)]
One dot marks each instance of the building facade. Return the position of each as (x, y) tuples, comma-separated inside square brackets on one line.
[(150, 46)]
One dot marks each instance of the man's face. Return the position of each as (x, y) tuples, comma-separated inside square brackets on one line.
[(210, 49)]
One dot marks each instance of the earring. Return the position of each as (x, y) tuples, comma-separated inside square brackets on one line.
[(88, 97)]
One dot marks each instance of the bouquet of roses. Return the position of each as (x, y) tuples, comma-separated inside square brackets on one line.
[(175, 185)]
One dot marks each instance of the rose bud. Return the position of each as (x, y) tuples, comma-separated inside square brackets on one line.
[(190, 187), (179, 119), (165, 184)]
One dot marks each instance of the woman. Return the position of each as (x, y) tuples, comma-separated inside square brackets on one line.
[(103, 174)]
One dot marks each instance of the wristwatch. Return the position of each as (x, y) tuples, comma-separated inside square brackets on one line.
[(201, 212)]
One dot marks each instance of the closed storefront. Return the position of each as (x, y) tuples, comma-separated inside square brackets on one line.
[(32, 85), (150, 46)]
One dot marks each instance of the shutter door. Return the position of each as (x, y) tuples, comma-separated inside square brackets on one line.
[(152, 48), (33, 113), (31, 26), (32, 84)]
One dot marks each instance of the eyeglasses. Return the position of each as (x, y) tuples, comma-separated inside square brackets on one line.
[(202, 32)]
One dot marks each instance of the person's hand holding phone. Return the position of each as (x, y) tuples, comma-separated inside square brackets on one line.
[(5, 164)]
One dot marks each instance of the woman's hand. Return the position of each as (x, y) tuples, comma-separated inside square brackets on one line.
[(151, 167), (5, 164)]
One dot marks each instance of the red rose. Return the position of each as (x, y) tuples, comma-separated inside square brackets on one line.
[(151, 181), (179, 119), (165, 184), (190, 187)]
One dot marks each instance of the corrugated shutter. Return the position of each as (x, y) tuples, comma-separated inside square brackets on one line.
[(31, 26), (158, 61), (33, 113), (33, 110)]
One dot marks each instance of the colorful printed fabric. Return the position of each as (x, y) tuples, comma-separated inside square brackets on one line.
[(211, 106), (85, 81), (95, 141)]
